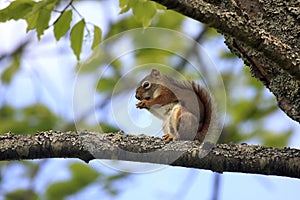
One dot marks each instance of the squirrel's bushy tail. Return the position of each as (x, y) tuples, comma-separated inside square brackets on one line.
[(210, 122)]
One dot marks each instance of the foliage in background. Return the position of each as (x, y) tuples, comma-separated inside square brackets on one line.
[(245, 114), (81, 177)]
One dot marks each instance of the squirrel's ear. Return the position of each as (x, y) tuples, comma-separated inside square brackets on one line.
[(155, 73)]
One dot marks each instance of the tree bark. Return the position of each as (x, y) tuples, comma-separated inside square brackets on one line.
[(264, 33), (87, 146)]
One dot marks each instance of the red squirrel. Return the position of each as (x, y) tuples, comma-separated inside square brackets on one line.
[(184, 107)]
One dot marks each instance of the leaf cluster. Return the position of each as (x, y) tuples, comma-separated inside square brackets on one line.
[(38, 14)]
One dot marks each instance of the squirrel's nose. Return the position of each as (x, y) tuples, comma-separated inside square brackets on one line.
[(137, 96)]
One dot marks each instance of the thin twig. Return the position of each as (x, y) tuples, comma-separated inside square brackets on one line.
[(65, 8)]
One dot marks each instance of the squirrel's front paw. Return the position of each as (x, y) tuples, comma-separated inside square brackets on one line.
[(141, 104)]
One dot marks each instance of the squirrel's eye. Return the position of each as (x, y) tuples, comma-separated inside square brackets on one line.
[(146, 84)]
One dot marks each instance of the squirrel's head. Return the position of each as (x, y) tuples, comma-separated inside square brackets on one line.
[(148, 86)]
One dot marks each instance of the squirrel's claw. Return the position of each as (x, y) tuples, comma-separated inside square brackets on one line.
[(141, 104), (168, 138)]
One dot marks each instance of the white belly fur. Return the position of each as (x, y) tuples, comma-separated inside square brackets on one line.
[(167, 113), (162, 112)]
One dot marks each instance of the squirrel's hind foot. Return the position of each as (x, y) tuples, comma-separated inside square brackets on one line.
[(168, 138)]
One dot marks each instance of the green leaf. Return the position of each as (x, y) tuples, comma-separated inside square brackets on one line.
[(144, 12), (160, 7), (16, 10), (60, 190), (10, 71), (276, 140), (40, 15), (106, 84), (124, 9), (172, 20), (97, 37), (227, 55), (31, 21), (106, 128), (82, 175), (45, 4), (20, 194), (76, 38), (6, 111), (36, 117), (63, 24), (123, 3), (43, 19)]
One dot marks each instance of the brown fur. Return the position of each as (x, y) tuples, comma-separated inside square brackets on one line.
[(165, 85), (205, 98)]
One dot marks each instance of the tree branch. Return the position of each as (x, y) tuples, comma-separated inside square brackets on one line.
[(141, 148), (264, 33)]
